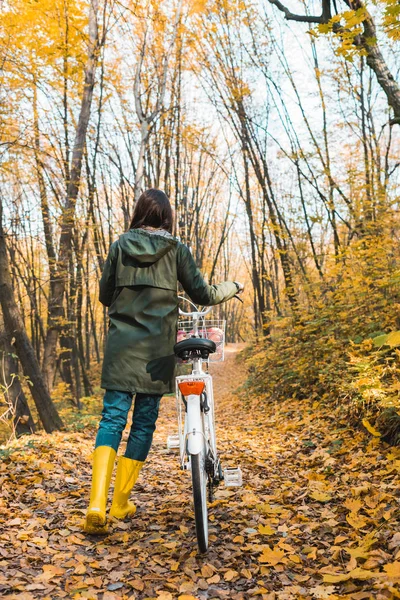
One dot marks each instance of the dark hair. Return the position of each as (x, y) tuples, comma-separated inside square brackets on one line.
[(153, 209)]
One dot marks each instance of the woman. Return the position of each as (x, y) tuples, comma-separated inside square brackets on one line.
[(139, 285)]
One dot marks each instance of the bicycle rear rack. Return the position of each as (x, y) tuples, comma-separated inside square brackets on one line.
[(233, 477)]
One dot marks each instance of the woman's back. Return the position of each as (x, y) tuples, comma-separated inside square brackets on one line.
[(139, 284)]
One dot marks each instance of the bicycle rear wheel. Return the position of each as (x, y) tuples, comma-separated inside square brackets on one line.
[(199, 482)]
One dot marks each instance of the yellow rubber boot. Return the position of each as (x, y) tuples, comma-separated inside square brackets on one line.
[(103, 463), (127, 474)]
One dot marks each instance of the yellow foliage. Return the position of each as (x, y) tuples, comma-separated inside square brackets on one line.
[(371, 429), (345, 27), (391, 18), (330, 351)]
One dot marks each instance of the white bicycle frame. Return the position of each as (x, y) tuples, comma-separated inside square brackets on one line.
[(197, 428)]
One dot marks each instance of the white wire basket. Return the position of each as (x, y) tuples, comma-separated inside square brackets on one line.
[(211, 329)]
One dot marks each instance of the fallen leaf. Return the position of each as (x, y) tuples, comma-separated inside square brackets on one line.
[(271, 557), (370, 428), (238, 539), (230, 575), (207, 571), (51, 571), (355, 520), (137, 584), (392, 571), (322, 591), (354, 574), (320, 496), (266, 530), (164, 596)]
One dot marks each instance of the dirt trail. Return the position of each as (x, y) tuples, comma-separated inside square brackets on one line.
[(317, 517)]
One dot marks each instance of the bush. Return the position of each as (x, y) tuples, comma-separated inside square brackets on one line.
[(327, 350)]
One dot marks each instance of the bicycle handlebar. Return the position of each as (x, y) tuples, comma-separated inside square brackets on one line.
[(198, 313), (201, 313)]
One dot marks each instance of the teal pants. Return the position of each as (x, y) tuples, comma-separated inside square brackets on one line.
[(116, 406)]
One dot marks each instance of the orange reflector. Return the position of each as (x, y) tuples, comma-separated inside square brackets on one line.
[(191, 387)]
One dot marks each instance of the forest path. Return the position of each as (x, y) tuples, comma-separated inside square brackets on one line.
[(317, 517)]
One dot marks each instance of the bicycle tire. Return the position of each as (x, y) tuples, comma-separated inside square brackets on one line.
[(199, 482)]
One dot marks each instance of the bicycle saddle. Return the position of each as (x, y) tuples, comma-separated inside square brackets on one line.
[(201, 345)]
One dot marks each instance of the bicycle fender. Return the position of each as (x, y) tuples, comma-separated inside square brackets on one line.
[(195, 434)]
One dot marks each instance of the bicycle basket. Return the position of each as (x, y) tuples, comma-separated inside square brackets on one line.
[(211, 329)]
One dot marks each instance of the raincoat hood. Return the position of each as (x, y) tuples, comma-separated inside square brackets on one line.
[(144, 247)]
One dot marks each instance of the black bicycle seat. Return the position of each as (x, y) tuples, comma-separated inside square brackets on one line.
[(202, 345)]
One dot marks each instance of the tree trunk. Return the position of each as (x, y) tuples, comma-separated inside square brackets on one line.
[(23, 421), (16, 332), (367, 41), (57, 291), (377, 63)]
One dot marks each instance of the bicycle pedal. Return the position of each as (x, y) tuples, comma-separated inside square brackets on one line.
[(233, 477), (173, 442)]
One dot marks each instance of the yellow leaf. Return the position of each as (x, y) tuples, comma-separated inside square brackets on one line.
[(393, 339), (46, 466), (137, 584), (230, 574), (207, 571), (339, 539), (38, 541), (320, 496), (80, 569), (312, 553), (50, 571), (353, 504), (266, 530), (164, 596), (371, 429), (271, 557), (392, 571), (186, 587), (362, 551), (246, 573), (215, 579), (294, 558), (356, 521), (239, 539), (357, 573)]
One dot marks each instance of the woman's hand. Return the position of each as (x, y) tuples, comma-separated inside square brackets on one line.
[(240, 287)]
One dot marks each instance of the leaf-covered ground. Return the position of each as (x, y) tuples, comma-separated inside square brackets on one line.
[(317, 517)]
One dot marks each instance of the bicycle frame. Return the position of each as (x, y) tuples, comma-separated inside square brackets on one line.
[(196, 428)]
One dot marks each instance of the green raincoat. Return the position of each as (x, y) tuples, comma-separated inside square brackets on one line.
[(139, 284)]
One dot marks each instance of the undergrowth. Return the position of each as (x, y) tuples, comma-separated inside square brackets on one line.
[(336, 348)]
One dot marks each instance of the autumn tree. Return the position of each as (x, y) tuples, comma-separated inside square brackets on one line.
[(355, 27)]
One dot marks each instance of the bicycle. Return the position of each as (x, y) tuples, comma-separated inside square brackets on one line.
[(201, 341)]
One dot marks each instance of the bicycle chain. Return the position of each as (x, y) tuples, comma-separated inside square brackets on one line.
[(209, 466)]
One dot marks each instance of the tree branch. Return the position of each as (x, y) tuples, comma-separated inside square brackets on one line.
[(289, 16)]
